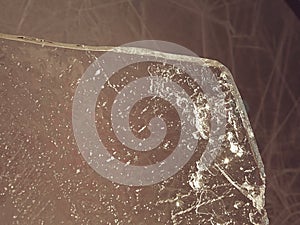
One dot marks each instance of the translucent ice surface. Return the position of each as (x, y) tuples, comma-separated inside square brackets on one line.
[(176, 142)]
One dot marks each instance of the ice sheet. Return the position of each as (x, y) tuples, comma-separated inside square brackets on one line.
[(46, 179)]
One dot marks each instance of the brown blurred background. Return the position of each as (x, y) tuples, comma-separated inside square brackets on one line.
[(258, 40)]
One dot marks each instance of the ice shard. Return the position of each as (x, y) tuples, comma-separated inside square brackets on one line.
[(125, 135)]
